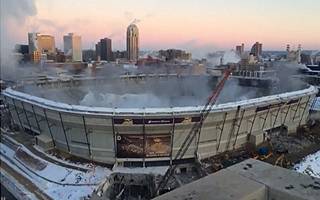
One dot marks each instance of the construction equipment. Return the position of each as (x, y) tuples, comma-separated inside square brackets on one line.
[(280, 160), (195, 130)]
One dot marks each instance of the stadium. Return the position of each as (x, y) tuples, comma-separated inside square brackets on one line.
[(142, 120)]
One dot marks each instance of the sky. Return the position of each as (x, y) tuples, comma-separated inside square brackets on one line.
[(195, 25)]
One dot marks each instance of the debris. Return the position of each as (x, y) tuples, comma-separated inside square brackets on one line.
[(289, 187), (279, 160)]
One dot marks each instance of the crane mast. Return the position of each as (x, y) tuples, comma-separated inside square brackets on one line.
[(196, 128)]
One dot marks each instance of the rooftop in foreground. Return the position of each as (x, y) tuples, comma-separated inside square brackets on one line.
[(250, 179)]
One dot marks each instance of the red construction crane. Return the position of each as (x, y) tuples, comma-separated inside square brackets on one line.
[(196, 128)]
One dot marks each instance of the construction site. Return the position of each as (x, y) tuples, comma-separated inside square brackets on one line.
[(141, 135)]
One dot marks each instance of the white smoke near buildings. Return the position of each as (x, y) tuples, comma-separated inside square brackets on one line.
[(154, 94), (128, 15), (286, 72), (135, 21), (18, 9), (157, 92), (230, 57), (122, 101), (198, 49), (222, 57), (151, 93), (14, 14)]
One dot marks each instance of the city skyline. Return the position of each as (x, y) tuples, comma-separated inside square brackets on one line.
[(191, 25)]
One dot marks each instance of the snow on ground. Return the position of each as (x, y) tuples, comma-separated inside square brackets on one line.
[(64, 175), (56, 181), (15, 188), (86, 166), (310, 165), (61, 182), (316, 104)]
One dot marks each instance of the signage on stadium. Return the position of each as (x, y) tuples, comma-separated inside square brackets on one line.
[(157, 121)]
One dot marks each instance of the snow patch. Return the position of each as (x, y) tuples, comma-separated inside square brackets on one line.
[(316, 104), (310, 165), (14, 187), (56, 181)]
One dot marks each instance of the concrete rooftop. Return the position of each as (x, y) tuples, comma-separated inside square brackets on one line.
[(251, 180)]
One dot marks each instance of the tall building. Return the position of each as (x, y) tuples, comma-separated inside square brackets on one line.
[(288, 48), (22, 48), (46, 44), (43, 43), (240, 49), (292, 55), (132, 42), (72, 47), (41, 46), (98, 51), (256, 49), (33, 42), (172, 54), (22, 52), (119, 55), (35, 56), (106, 49), (88, 55)]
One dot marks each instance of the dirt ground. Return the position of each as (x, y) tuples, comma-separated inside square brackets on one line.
[(297, 146), (281, 149)]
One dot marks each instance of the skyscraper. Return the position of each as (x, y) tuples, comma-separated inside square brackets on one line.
[(132, 42), (256, 49), (106, 49), (34, 52), (98, 51), (240, 49), (294, 55), (72, 47), (88, 55), (40, 45), (33, 42), (46, 44), (288, 48)]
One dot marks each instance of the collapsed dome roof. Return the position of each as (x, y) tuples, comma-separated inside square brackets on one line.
[(152, 92)]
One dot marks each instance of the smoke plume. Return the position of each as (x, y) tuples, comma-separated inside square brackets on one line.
[(162, 92), (215, 58), (135, 21), (14, 14)]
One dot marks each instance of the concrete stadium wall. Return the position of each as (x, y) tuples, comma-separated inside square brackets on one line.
[(93, 134)]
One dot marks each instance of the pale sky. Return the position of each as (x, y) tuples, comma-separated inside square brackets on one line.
[(190, 24)]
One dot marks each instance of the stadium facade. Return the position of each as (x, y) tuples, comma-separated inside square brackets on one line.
[(152, 136)]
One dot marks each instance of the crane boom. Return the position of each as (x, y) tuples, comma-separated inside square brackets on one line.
[(195, 129)]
